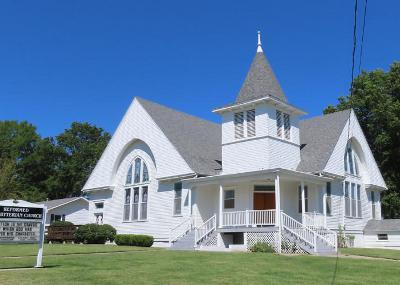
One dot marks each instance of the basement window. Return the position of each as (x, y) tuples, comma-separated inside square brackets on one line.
[(382, 237)]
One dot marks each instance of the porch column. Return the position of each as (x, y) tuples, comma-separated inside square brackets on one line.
[(324, 202), (277, 201), (303, 202), (278, 212), (221, 205)]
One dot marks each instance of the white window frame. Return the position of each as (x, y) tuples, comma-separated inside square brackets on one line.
[(285, 132), (230, 198), (245, 124), (300, 204), (177, 199), (328, 199), (373, 205), (139, 186)]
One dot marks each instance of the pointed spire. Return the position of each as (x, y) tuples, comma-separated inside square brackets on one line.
[(260, 80), (259, 48)]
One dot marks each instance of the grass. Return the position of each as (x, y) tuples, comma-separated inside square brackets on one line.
[(373, 252), (147, 266), (11, 250)]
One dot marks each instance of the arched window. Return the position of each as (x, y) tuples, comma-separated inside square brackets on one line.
[(136, 191), (351, 161), (352, 185)]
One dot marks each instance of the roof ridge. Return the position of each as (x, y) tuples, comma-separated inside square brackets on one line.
[(175, 110), (325, 115)]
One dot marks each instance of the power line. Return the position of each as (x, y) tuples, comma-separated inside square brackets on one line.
[(362, 36), (354, 46)]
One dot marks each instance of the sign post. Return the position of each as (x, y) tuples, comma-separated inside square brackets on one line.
[(23, 222)]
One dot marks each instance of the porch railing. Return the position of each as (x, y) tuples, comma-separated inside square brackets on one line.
[(205, 229), (314, 220), (248, 218), (180, 230)]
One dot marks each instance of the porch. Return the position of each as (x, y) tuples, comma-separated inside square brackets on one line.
[(286, 209), (254, 200)]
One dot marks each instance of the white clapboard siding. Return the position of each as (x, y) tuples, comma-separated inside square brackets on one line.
[(160, 199), (262, 151), (371, 239), (352, 224), (335, 163), (137, 125), (76, 212)]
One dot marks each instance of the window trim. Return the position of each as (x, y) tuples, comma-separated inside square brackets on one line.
[(229, 199), (177, 188), (300, 204), (328, 200), (139, 186), (384, 235), (241, 124)]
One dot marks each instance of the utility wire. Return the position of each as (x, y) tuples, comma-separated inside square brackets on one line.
[(354, 45), (351, 93), (362, 36)]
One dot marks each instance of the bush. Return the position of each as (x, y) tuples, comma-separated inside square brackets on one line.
[(134, 240), (111, 232), (262, 247), (95, 234), (61, 224)]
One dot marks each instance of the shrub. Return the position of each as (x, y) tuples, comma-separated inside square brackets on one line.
[(61, 224), (134, 240), (95, 234), (110, 231), (262, 247)]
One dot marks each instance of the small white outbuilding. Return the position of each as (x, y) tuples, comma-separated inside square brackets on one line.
[(74, 210), (382, 233)]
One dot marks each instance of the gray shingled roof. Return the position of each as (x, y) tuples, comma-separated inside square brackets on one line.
[(260, 82), (198, 141), (389, 225), (318, 138), (55, 203)]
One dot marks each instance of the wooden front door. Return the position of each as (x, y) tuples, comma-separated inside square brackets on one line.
[(264, 201)]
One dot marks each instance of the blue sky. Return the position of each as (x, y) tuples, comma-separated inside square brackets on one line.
[(65, 61)]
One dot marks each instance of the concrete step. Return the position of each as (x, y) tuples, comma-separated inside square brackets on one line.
[(184, 243)]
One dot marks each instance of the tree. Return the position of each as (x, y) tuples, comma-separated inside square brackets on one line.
[(18, 143), (34, 168), (376, 102), (82, 146)]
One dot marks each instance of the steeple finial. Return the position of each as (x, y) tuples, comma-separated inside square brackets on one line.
[(259, 48)]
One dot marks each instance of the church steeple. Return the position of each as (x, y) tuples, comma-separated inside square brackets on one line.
[(259, 48), (260, 81)]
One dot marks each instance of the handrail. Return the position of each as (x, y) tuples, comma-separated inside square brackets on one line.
[(314, 219), (180, 229), (304, 233), (205, 229), (329, 236)]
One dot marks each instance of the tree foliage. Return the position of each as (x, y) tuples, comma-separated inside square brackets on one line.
[(34, 168), (376, 102)]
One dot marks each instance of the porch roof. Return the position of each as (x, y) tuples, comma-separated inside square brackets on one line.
[(259, 175)]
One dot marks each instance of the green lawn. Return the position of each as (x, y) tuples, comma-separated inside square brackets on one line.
[(372, 252), (144, 266), (51, 249)]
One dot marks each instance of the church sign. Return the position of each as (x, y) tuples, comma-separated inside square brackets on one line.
[(22, 222)]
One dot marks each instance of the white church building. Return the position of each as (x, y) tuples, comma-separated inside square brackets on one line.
[(263, 174)]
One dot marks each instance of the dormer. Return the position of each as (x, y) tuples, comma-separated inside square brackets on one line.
[(260, 129)]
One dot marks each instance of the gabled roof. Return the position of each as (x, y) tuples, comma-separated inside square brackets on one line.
[(318, 138), (260, 82), (198, 141), (390, 225), (51, 204)]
